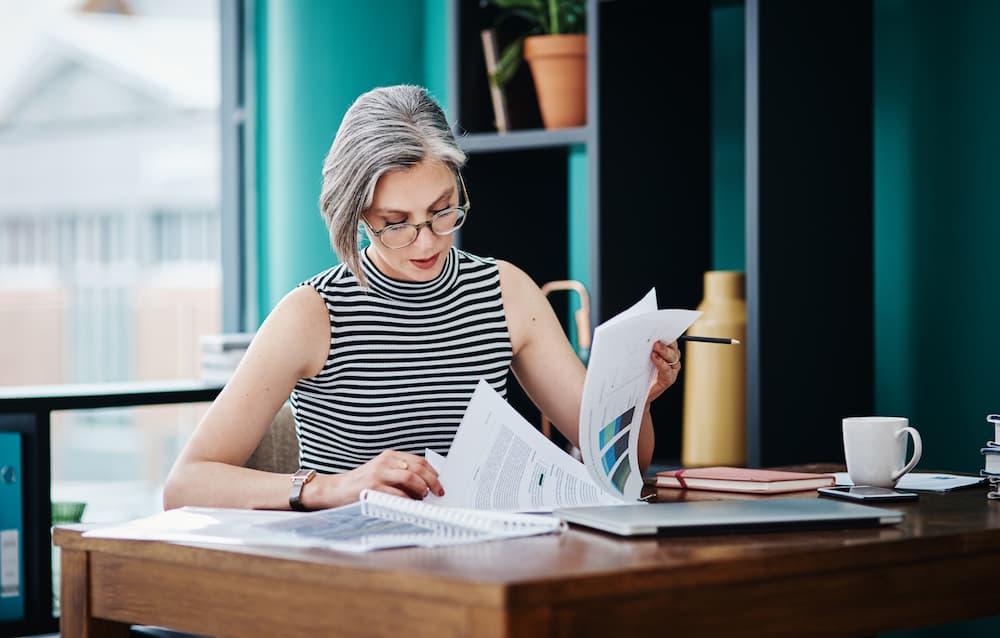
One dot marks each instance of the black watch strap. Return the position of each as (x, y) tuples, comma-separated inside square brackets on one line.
[(299, 480)]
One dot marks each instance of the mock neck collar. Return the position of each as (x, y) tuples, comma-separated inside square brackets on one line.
[(382, 284)]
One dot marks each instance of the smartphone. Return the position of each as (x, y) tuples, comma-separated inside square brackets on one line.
[(866, 493)]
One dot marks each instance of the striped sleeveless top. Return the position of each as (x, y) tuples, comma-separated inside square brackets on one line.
[(404, 360)]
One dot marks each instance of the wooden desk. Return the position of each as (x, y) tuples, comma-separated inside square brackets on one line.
[(938, 566)]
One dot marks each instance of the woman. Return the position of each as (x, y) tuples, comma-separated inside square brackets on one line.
[(381, 354)]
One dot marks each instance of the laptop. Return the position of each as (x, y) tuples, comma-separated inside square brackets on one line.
[(713, 517)]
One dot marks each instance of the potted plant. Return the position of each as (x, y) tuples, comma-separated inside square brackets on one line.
[(554, 43)]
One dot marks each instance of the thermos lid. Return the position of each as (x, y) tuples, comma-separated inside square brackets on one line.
[(725, 283)]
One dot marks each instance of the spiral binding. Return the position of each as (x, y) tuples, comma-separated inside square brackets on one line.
[(456, 522)]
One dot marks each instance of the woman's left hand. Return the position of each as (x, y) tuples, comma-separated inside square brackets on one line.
[(667, 359)]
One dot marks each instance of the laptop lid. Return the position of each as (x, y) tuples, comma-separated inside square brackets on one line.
[(706, 517)]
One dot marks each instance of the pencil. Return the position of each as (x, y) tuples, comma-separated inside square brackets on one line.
[(708, 339)]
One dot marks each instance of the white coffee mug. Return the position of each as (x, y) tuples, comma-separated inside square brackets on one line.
[(875, 448)]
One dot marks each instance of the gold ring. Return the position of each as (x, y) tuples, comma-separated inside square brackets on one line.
[(404, 465), (674, 364)]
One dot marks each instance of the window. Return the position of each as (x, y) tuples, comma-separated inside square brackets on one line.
[(110, 265)]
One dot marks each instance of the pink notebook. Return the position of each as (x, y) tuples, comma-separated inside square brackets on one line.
[(740, 479)]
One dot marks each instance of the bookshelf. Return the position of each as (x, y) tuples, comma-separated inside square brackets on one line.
[(641, 201), (647, 142)]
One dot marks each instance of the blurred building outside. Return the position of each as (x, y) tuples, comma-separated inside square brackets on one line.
[(109, 225)]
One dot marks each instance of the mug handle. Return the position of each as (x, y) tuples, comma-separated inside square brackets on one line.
[(918, 449)]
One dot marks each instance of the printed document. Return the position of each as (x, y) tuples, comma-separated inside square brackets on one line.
[(376, 521), (500, 461), (619, 375)]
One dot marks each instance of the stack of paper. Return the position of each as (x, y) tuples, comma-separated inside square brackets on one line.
[(923, 481)]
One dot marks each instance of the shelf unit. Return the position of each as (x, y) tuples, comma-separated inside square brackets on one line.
[(809, 253), (648, 215)]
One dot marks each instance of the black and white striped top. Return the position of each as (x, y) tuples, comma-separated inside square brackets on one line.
[(404, 360)]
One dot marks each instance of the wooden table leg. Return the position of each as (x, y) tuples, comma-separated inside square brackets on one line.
[(75, 620)]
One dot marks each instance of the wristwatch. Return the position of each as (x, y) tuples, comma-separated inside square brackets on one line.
[(299, 480)]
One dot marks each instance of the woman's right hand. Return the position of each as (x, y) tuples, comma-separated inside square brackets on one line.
[(392, 472)]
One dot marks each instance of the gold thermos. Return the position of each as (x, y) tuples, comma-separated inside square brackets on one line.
[(715, 386)]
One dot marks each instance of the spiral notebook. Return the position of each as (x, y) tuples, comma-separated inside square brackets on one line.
[(380, 521)]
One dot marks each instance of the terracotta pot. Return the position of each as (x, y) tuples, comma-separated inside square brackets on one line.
[(559, 68)]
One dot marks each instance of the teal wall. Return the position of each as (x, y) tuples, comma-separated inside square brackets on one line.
[(937, 211), (578, 223), (937, 225), (313, 57), (728, 145), (937, 222), (435, 54)]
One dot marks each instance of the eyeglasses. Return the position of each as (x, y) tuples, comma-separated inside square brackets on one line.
[(442, 223)]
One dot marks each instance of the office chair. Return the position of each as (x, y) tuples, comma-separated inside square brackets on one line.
[(278, 451)]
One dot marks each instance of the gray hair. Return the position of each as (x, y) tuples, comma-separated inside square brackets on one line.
[(386, 129)]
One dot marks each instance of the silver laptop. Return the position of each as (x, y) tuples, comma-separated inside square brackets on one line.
[(704, 517)]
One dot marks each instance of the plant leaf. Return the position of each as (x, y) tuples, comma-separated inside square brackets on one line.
[(534, 5), (545, 16), (509, 62)]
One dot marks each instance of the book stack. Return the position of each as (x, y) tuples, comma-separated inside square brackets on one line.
[(221, 353), (744, 480), (991, 466)]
